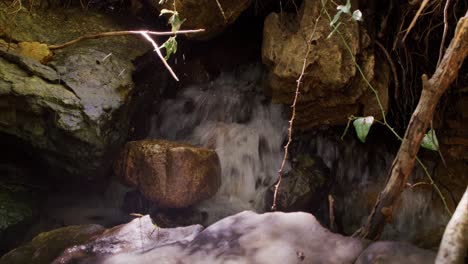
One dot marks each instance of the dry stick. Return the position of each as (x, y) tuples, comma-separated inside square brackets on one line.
[(293, 115), (156, 48), (415, 18), (331, 212), (442, 42), (222, 11), (144, 33), (403, 164), (392, 66), (122, 33)]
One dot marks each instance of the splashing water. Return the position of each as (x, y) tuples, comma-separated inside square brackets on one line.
[(231, 116), (360, 171)]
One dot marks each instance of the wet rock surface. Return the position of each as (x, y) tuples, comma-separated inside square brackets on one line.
[(74, 108), (332, 88), (303, 187), (171, 174)]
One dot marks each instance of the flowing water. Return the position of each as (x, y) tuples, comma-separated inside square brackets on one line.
[(360, 172), (230, 115)]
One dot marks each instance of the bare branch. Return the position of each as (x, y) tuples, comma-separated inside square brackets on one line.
[(122, 33)]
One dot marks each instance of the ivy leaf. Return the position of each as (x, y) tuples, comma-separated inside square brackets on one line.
[(430, 141), (175, 22), (171, 47), (357, 15), (345, 8), (362, 126)]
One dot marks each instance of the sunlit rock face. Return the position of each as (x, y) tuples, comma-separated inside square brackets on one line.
[(72, 105), (246, 237), (332, 88), (171, 174)]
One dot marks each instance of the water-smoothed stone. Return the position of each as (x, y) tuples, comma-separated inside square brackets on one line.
[(139, 235), (249, 237), (74, 109), (213, 16), (332, 88), (171, 174), (390, 252), (47, 246), (246, 237)]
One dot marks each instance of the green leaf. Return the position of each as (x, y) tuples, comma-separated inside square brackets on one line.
[(175, 22), (336, 18), (357, 15), (345, 8), (171, 47), (362, 126), (430, 141)]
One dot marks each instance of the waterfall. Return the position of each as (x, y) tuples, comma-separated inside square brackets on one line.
[(230, 115)]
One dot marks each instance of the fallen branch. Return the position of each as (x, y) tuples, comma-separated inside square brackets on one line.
[(403, 164)]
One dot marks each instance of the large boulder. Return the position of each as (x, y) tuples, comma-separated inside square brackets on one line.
[(213, 16), (171, 174), (332, 88), (246, 237), (72, 104)]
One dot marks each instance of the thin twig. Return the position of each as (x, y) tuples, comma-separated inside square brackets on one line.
[(415, 18), (222, 11), (122, 33), (156, 48), (331, 212), (293, 115), (392, 66), (442, 42)]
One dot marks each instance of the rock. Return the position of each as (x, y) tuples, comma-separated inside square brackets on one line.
[(246, 237), (45, 247), (302, 187), (74, 109), (172, 174), (332, 88), (390, 252), (139, 234), (205, 14)]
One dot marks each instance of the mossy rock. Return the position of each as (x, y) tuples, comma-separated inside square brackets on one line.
[(45, 247)]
